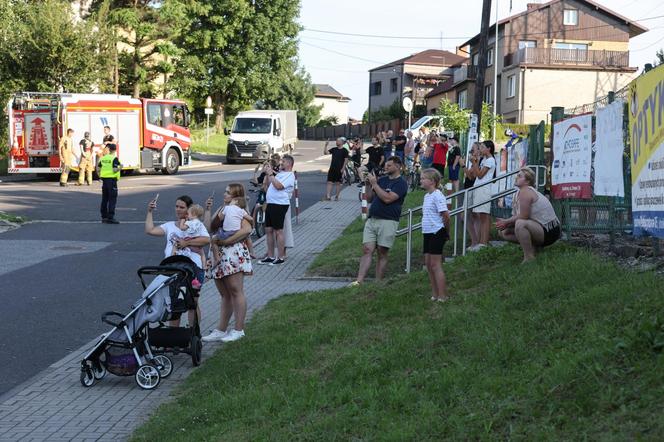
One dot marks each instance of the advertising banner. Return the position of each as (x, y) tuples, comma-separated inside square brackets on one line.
[(646, 131), (572, 156), (609, 148)]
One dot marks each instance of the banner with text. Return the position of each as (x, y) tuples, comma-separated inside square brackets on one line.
[(609, 148), (646, 131), (572, 154)]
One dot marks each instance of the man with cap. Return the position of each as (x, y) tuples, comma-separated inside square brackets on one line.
[(86, 166), (108, 170)]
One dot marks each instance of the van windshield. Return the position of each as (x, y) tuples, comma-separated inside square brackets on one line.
[(247, 125)]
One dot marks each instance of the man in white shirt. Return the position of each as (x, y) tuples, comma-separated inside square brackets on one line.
[(278, 196)]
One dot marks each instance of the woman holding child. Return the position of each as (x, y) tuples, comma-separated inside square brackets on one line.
[(230, 260), (184, 236)]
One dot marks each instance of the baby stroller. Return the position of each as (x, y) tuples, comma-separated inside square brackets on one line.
[(126, 349)]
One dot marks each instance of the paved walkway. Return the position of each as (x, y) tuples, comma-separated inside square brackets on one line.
[(53, 406)]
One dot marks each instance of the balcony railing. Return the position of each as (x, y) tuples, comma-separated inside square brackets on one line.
[(465, 72), (568, 57)]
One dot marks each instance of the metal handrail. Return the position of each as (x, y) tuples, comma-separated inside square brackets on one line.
[(463, 209)]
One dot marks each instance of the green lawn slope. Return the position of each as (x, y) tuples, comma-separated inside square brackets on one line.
[(568, 347)]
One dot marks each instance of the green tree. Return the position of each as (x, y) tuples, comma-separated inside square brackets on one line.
[(660, 57), (237, 51), (488, 121), (295, 92), (142, 32), (391, 112), (453, 117)]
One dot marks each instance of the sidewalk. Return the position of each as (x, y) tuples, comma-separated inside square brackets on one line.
[(53, 406)]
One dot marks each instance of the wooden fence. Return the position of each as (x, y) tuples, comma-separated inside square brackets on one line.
[(350, 130)]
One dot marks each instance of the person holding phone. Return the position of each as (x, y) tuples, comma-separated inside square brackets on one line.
[(178, 241), (386, 195)]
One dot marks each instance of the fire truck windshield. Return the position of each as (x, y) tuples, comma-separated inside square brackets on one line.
[(246, 125)]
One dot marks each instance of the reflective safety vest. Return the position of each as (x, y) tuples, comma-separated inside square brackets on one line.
[(106, 169)]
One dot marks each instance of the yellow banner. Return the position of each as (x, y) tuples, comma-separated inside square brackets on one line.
[(646, 118)]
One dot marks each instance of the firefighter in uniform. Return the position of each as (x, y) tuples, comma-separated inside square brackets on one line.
[(87, 165), (66, 151), (109, 171)]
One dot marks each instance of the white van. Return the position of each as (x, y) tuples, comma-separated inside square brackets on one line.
[(257, 134)]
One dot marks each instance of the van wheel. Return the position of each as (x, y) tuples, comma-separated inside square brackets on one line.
[(172, 163)]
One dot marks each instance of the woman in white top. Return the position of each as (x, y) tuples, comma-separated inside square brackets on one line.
[(228, 273), (483, 173), (435, 216), (180, 240), (534, 222)]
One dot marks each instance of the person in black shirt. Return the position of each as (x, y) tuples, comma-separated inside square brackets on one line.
[(375, 156), (337, 165), (387, 146), (454, 162), (108, 139), (400, 143)]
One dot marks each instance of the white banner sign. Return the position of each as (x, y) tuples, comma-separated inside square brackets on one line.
[(572, 143), (609, 149)]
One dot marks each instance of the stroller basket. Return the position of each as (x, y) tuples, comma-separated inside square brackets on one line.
[(120, 362)]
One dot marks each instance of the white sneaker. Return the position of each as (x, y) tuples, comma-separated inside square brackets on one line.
[(233, 335), (214, 336)]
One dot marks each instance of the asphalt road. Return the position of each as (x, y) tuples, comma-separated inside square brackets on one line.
[(60, 271)]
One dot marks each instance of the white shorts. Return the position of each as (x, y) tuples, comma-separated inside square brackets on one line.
[(481, 194)]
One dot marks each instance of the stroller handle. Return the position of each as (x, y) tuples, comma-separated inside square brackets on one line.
[(105, 316)]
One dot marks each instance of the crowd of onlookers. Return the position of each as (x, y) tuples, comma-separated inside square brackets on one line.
[(533, 223)]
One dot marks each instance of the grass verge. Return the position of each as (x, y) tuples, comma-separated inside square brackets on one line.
[(217, 144), (4, 216), (565, 348), (342, 257)]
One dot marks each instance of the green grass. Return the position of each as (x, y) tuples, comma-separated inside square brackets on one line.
[(568, 347), (4, 216), (217, 144), (342, 257)]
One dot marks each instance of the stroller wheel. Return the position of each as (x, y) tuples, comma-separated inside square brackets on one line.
[(99, 371), (87, 378), (147, 377), (196, 350), (164, 365)]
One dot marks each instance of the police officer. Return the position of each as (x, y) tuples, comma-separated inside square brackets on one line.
[(66, 151), (109, 171), (86, 165)]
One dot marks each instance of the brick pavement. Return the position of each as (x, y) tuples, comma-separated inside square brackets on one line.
[(53, 406)]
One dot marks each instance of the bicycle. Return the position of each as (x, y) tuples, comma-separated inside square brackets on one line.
[(258, 211), (414, 173)]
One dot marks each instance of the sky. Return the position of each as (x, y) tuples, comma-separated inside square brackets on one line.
[(343, 61)]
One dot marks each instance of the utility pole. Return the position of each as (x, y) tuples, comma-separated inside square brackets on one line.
[(481, 67)]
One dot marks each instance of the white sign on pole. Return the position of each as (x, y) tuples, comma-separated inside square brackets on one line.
[(407, 104), (609, 149), (208, 101), (209, 111)]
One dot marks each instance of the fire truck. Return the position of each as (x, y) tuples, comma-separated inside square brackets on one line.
[(149, 133)]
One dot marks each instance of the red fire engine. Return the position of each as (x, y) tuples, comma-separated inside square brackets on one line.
[(149, 133)]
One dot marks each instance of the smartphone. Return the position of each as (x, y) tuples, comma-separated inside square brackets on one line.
[(156, 198)]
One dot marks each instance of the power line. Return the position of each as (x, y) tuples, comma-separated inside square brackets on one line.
[(403, 37), (647, 47), (340, 53), (366, 44)]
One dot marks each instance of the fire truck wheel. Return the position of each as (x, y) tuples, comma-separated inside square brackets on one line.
[(172, 163)]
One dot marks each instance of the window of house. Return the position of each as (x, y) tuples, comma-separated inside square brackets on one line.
[(527, 44), (564, 45), (393, 85), (475, 59), (511, 86), (376, 88), (571, 17), (488, 93), (462, 99), (489, 57)]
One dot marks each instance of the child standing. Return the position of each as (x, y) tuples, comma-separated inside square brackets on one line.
[(435, 218), (231, 217)]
